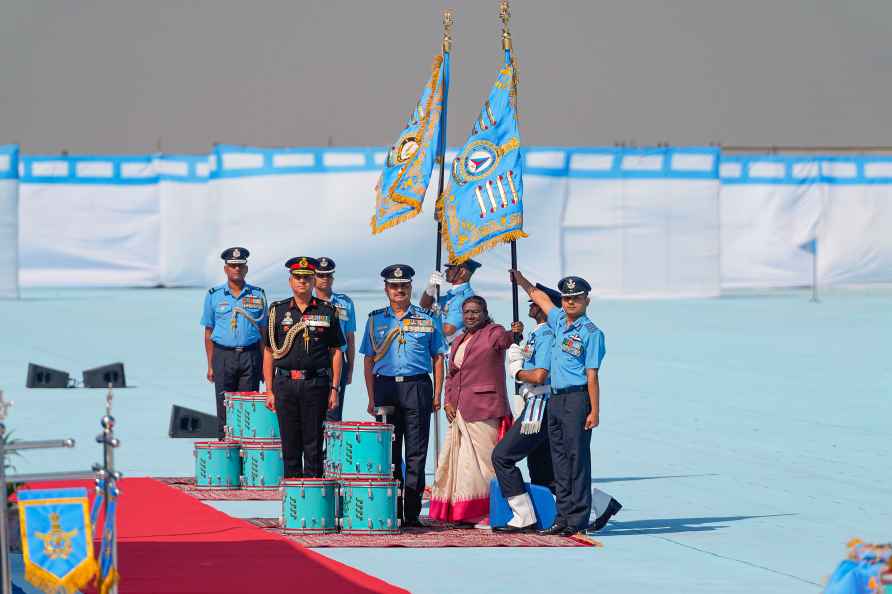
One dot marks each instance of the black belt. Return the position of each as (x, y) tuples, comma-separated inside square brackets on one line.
[(303, 374), (242, 349), (402, 378), (569, 389)]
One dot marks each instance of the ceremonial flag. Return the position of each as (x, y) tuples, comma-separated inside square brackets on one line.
[(108, 572), (407, 168), (482, 206), (57, 542)]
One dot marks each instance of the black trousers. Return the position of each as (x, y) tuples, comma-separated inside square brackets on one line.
[(571, 456), (300, 409), (414, 404), (235, 371), (336, 414), (514, 447)]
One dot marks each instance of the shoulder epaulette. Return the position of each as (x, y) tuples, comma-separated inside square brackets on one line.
[(345, 297), (424, 310), (590, 326), (280, 302), (377, 311), (212, 290)]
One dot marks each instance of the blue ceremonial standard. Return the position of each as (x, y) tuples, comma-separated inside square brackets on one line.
[(400, 191), (482, 206)]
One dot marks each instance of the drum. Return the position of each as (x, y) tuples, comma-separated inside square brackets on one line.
[(262, 466), (217, 464), (369, 506), (309, 505), (333, 441), (248, 419), (362, 450)]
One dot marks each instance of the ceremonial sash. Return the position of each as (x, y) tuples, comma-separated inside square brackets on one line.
[(382, 348), (278, 353), (57, 541)]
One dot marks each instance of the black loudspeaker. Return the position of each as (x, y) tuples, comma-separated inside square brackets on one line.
[(44, 377), (101, 377), (185, 422)]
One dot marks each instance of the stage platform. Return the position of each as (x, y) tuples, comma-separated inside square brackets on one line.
[(745, 436)]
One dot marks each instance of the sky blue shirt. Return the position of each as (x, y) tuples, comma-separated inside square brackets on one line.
[(451, 303), (537, 350), (576, 348), (218, 311), (423, 338), (346, 314)]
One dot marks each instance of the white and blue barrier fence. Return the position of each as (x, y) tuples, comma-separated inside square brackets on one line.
[(652, 222)]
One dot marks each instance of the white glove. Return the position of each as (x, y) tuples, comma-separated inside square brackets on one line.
[(515, 353), (515, 359), (436, 279), (525, 389)]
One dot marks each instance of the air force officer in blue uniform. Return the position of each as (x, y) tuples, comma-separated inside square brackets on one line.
[(233, 313)]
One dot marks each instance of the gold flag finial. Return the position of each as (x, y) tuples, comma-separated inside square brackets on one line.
[(505, 15), (448, 21)]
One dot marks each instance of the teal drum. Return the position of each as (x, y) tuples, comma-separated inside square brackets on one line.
[(369, 506), (332, 436), (217, 465), (364, 450), (262, 465), (248, 418), (309, 505)]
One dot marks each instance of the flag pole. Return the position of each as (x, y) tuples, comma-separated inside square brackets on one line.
[(505, 16), (448, 20)]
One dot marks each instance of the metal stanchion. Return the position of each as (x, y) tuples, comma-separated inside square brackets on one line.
[(109, 443), (4, 535), (100, 471)]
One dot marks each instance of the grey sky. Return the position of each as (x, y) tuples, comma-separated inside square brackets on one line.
[(120, 76)]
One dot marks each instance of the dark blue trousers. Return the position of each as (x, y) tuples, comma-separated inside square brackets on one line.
[(234, 371), (514, 447), (571, 456), (336, 414), (414, 403)]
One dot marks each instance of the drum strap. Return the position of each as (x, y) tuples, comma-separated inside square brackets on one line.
[(278, 353), (381, 349)]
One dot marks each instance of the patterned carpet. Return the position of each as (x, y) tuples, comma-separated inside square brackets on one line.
[(186, 484), (433, 535)]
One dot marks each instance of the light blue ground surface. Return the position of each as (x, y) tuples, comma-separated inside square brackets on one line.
[(747, 437)]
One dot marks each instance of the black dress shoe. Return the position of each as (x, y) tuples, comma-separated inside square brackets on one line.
[(513, 529), (612, 508), (554, 530), (413, 523)]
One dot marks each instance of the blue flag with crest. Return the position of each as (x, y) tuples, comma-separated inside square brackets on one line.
[(482, 206), (400, 191), (57, 541)]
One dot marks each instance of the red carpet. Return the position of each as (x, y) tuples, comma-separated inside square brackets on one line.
[(171, 542)]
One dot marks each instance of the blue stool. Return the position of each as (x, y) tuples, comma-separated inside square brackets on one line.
[(543, 505)]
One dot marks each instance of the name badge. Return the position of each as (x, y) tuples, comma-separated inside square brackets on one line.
[(415, 328)]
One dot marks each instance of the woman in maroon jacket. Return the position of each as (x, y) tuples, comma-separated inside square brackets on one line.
[(476, 407)]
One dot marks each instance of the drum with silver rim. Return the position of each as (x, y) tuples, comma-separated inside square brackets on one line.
[(217, 464), (360, 450), (248, 418), (309, 505), (369, 506), (262, 465)]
